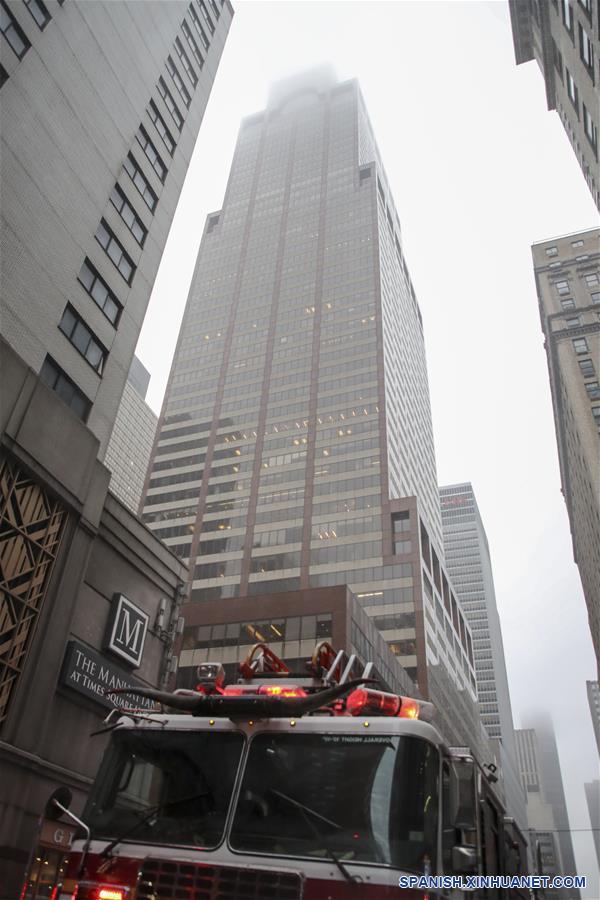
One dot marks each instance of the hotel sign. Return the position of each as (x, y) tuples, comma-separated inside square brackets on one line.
[(126, 630), (93, 675)]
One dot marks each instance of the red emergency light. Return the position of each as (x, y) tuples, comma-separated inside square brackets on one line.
[(282, 690), (364, 701)]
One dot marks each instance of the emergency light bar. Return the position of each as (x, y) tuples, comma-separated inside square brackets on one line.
[(364, 701), (264, 705)]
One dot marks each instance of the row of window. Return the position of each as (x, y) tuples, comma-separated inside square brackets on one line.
[(71, 324), (12, 32)]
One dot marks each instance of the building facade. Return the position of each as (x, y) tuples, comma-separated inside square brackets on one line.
[(564, 39), (567, 276), (101, 105), (469, 567), (130, 445), (593, 692), (550, 786), (541, 825), (592, 796), (295, 444)]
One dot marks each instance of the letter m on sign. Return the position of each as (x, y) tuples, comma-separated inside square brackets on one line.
[(126, 630)]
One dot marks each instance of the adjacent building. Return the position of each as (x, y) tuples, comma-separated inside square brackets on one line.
[(130, 445), (593, 692), (564, 38), (543, 782), (100, 108), (543, 837), (469, 567), (295, 445), (592, 796), (567, 276)]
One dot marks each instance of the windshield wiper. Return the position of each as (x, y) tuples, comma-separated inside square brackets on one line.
[(306, 811), (149, 815)]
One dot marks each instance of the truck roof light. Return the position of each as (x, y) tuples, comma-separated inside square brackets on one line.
[(110, 893), (364, 700), (282, 690)]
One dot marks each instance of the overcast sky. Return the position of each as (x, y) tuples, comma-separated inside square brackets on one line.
[(479, 171)]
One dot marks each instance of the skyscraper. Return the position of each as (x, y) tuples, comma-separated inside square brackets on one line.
[(469, 566), (295, 443), (563, 37), (541, 824), (593, 692), (130, 445), (592, 796), (101, 106), (567, 277), (550, 778)]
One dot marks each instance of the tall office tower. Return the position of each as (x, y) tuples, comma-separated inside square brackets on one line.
[(130, 445), (469, 566), (100, 108), (295, 444), (553, 791), (567, 277), (592, 796), (593, 692), (563, 37), (543, 837)]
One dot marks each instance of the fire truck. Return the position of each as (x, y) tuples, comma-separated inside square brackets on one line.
[(281, 786)]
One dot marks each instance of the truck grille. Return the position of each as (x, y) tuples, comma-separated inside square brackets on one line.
[(164, 880)]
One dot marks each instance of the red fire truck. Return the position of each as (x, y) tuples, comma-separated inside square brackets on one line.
[(282, 786)]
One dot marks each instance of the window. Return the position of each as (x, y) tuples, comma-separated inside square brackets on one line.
[(129, 215), (562, 287), (580, 345), (586, 50), (586, 5), (12, 31), (573, 322), (115, 251), (66, 389), (100, 292), (152, 154), (159, 123), (595, 295), (587, 368), (582, 258), (551, 251), (555, 265), (39, 12), (206, 16), (214, 8), (591, 279), (591, 132), (572, 91), (75, 329), (198, 26), (569, 303), (135, 173), (567, 16), (3, 75), (593, 389), (170, 103), (596, 414), (185, 62), (576, 243), (192, 43), (178, 81)]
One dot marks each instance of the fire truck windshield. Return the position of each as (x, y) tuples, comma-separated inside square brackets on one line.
[(362, 798), (165, 787)]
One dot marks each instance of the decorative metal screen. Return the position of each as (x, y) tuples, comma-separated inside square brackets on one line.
[(31, 526)]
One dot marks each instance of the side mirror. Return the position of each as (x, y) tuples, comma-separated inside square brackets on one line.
[(462, 810), (464, 860), (58, 803)]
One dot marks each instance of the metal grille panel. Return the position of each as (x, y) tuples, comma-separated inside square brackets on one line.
[(161, 879)]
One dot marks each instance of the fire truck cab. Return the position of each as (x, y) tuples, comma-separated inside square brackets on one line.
[(285, 786)]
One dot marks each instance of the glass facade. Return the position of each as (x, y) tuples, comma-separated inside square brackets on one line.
[(298, 407)]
